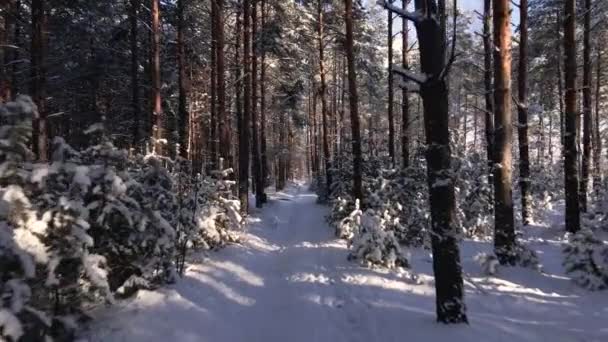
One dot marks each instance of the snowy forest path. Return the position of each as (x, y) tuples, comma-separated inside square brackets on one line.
[(290, 280)]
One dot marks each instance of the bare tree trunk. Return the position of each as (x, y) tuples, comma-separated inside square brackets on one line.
[(391, 92), (245, 118), (354, 106), (157, 110), (323, 95), (405, 102), (487, 77), (522, 113), (5, 40), (446, 255), (571, 120), (597, 142), (222, 116), (587, 125), (560, 91), (183, 91), (504, 232), (38, 83), (257, 164), (135, 105), (263, 143)]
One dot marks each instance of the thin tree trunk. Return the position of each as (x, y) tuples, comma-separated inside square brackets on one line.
[(263, 143), (245, 118), (487, 77), (597, 143), (323, 94), (522, 113), (587, 123), (183, 92), (560, 91), (38, 83), (135, 105), (222, 116), (391, 92), (157, 110), (571, 120), (405, 102), (504, 232)]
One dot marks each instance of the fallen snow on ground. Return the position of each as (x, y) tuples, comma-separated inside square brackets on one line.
[(290, 281)]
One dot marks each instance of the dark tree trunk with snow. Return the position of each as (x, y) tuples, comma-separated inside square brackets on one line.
[(40, 139), (323, 95), (135, 104), (487, 79), (255, 146), (504, 231), (433, 90), (522, 113), (354, 106), (263, 140), (222, 116), (182, 112), (597, 141), (586, 106), (571, 120)]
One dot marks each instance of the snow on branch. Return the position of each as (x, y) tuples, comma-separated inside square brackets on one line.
[(418, 78), (415, 17), (410, 87)]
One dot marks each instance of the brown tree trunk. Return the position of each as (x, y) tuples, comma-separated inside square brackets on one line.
[(522, 113), (244, 122), (157, 110), (5, 37), (135, 105), (391, 92), (487, 77), (263, 143), (182, 114), (587, 125), (323, 94), (405, 102), (38, 82), (571, 121), (446, 255), (504, 231), (354, 106)]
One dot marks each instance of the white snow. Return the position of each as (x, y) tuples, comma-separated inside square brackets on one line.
[(290, 281)]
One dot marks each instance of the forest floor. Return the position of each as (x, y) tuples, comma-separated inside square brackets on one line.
[(290, 281)]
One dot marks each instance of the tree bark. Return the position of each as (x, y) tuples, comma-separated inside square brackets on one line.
[(504, 231), (405, 103), (257, 165), (391, 92), (487, 77), (38, 83), (183, 92), (571, 120), (446, 255), (354, 106), (222, 115), (135, 104), (522, 113), (263, 141), (157, 110), (597, 142), (323, 95), (245, 118), (587, 125)]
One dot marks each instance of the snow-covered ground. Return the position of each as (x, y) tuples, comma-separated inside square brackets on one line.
[(290, 281)]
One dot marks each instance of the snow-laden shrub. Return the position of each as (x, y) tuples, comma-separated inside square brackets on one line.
[(475, 207), (488, 262), (373, 244), (586, 260), (351, 220)]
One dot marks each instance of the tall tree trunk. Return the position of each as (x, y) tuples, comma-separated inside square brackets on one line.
[(487, 78), (135, 104), (522, 113), (257, 170), (597, 141), (405, 102), (391, 91), (504, 231), (16, 40), (263, 143), (244, 122), (571, 121), (323, 94), (560, 89), (182, 114), (222, 115), (157, 110), (38, 82), (446, 255), (587, 125), (354, 106), (5, 37)]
